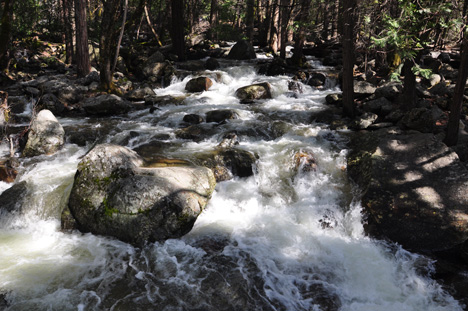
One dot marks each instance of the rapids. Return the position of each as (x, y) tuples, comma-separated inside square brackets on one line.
[(278, 240)]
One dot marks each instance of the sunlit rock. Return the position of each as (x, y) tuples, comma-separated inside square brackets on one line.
[(249, 93), (113, 194), (106, 105), (46, 135)]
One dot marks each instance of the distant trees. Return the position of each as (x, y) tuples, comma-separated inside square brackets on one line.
[(5, 33), (349, 15)]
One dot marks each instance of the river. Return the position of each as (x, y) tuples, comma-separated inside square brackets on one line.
[(282, 239)]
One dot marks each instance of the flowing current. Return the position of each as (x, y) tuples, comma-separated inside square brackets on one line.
[(282, 239)]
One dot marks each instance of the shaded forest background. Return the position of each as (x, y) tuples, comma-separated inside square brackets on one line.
[(384, 38)]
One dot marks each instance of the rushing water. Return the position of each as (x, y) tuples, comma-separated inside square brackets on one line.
[(278, 240)]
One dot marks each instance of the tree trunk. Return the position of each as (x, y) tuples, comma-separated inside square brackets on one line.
[(273, 39), (336, 13), (107, 44), (122, 29), (150, 25), (178, 44), (265, 26), (67, 8), (82, 51), (5, 33), (349, 12), (249, 19), (326, 21), (301, 36), (213, 34), (409, 86), (451, 138), (284, 11)]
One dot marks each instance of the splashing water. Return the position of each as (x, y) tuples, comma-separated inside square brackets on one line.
[(282, 239)]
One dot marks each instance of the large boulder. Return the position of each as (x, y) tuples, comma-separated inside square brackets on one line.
[(46, 135), (13, 198), (106, 105), (249, 93), (242, 50), (221, 115), (414, 189), (114, 195)]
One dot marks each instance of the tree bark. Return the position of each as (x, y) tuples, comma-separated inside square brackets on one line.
[(178, 42), (5, 33), (213, 34), (453, 125), (301, 36), (82, 51), (326, 20), (349, 12), (67, 8), (273, 38), (122, 29), (249, 19), (409, 86), (284, 19), (107, 43)]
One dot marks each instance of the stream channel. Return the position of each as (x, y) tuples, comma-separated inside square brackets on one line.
[(282, 239)]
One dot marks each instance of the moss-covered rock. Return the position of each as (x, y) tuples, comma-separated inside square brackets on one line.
[(114, 194)]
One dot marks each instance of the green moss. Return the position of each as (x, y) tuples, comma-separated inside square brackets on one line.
[(108, 210)]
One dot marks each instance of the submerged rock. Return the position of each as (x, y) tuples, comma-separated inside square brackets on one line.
[(414, 190), (249, 93), (114, 195), (46, 135), (221, 115)]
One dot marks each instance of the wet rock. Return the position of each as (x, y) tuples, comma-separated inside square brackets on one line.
[(192, 65), (242, 50), (334, 99), (32, 91), (140, 94), (441, 89), (448, 72), (414, 189), (106, 105), (193, 119), (154, 66), (46, 135), (197, 132), (212, 64), (295, 87), (113, 194), (17, 104), (199, 84), (304, 161), (444, 57), (222, 115), (228, 162), (277, 67), (14, 197), (8, 170), (165, 100), (250, 93), (229, 140), (317, 79)]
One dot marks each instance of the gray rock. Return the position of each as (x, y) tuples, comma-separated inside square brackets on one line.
[(13, 198), (389, 90), (106, 105), (414, 190), (363, 88), (114, 195), (193, 119), (242, 50), (140, 94), (419, 119), (248, 94), (334, 99), (46, 135), (376, 105), (365, 120)]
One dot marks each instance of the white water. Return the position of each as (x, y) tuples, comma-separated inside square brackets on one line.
[(294, 240)]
